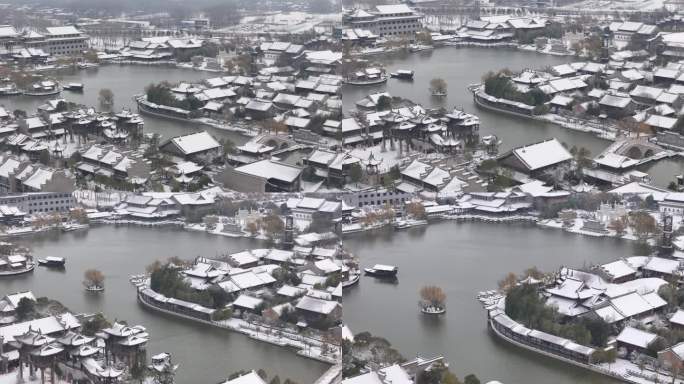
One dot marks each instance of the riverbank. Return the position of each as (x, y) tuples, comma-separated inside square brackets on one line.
[(122, 250), (147, 108), (622, 370), (485, 101), (305, 346), (463, 258), (463, 44)]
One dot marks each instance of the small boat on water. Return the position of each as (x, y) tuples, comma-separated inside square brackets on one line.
[(420, 47), (368, 76), (52, 262), (74, 227), (403, 74), (353, 278), (73, 87), (88, 65), (382, 270), (9, 90), (43, 88), (409, 223), (19, 268)]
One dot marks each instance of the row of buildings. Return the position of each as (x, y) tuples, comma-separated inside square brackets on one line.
[(53, 41)]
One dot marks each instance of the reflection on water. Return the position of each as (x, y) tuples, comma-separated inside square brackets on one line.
[(463, 259), (206, 354), (461, 67), (125, 81)]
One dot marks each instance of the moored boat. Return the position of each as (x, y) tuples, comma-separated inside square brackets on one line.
[(74, 227), (420, 47), (88, 65), (409, 223), (73, 87), (52, 262), (16, 265), (368, 76), (43, 88), (403, 74), (382, 270), (353, 279), (9, 90)]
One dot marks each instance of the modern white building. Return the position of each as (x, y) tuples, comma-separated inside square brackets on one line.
[(65, 40), (306, 210), (394, 20), (40, 202), (375, 197)]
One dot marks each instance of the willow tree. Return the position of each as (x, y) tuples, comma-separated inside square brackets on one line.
[(93, 278), (438, 85), (433, 295)]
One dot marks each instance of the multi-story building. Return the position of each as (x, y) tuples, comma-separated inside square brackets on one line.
[(375, 197), (65, 40), (625, 32), (40, 202), (9, 37), (308, 209), (395, 20)]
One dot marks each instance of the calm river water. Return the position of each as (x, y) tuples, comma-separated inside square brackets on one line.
[(461, 67), (464, 259), (206, 354), (125, 81)]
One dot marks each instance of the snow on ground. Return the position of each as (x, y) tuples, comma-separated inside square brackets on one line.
[(287, 22), (13, 378), (388, 159), (633, 374), (638, 5), (92, 199)]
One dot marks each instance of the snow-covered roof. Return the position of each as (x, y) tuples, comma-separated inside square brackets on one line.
[(8, 31), (269, 169), (615, 101), (618, 269), (250, 378), (636, 337), (542, 154), (662, 265), (46, 325), (14, 298), (195, 142), (393, 9), (646, 92), (313, 304), (677, 317), (62, 31), (245, 301)]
